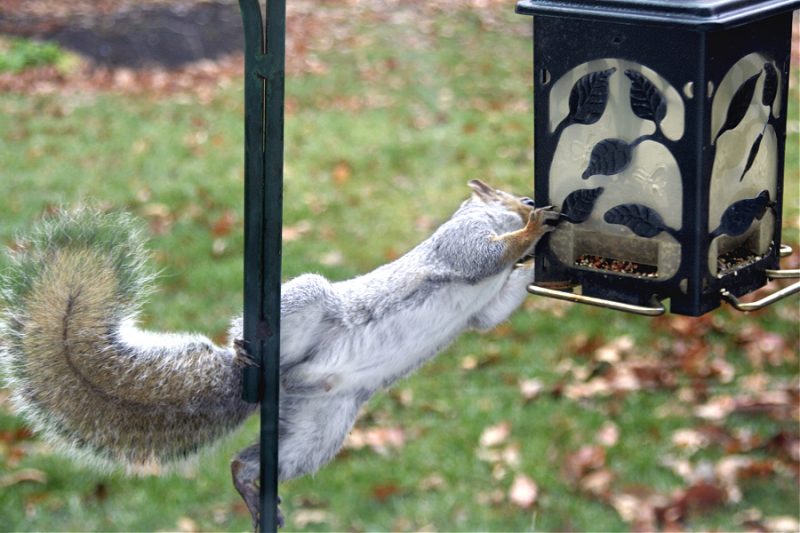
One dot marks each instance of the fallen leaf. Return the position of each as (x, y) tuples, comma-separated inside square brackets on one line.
[(781, 524), (597, 483), (613, 351), (384, 492), (296, 231), (332, 258), (342, 172), (530, 388), (378, 439), (496, 434), (224, 224), (688, 439), (305, 517), (469, 362), (187, 525), (432, 482), (31, 475), (523, 492), (715, 408), (608, 435), (587, 458)]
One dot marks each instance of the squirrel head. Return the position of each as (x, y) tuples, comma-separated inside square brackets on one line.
[(482, 192)]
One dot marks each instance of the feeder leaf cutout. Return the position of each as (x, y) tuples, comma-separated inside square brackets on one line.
[(640, 219), (588, 98), (740, 215), (647, 102), (578, 205), (751, 157), (609, 156), (739, 105), (770, 90)]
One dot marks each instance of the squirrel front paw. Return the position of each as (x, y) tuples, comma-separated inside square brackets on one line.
[(539, 218)]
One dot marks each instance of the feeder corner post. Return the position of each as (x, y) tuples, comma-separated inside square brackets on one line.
[(264, 74)]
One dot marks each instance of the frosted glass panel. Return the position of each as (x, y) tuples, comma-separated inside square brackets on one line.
[(612, 173), (745, 171)]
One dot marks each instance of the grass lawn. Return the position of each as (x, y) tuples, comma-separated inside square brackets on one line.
[(380, 141)]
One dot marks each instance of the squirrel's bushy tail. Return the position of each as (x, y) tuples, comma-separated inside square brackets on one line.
[(79, 369)]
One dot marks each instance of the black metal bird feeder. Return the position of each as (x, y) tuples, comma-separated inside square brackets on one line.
[(659, 130)]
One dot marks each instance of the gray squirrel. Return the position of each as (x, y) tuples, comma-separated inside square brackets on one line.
[(88, 379)]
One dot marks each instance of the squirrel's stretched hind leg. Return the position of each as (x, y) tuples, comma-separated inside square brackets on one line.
[(245, 469)]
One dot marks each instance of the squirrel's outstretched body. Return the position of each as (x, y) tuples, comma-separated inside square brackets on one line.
[(85, 375)]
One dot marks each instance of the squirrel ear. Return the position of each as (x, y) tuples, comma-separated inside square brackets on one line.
[(483, 190)]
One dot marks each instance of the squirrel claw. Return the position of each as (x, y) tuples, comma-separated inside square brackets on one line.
[(242, 356)]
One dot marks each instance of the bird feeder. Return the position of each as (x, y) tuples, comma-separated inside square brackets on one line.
[(659, 132)]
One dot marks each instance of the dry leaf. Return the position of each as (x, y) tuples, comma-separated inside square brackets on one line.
[(342, 172), (715, 408), (523, 492), (613, 351), (332, 258), (530, 388), (781, 524), (608, 435), (587, 458), (690, 440), (294, 232), (224, 224), (26, 474), (305, 517), (494, 435), (597, 482), (432, 482), (469, 362), (187, 525), (378, 439), (384, 492)]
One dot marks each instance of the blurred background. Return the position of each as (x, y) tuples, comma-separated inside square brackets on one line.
[(565, 418)]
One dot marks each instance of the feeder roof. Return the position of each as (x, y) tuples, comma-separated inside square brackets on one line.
[(697, 14)]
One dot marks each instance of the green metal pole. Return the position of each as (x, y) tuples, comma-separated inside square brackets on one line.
[(264, 98)]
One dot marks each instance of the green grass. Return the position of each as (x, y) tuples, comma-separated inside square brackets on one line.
[(18, 54), (408, 116)]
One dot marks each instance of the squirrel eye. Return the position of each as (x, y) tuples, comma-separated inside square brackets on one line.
[(527, 201)]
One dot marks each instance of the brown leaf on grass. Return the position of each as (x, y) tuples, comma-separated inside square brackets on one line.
[(187, 525), (782, 524), (523, 492), (342, 172), (615, 350), (530, 388), (689, 439), (608, 435), (785, 444), (716, 408), (306, 517), (332, 258), (432, 482), (637, 510), (587, 458), (597, 483), (384, 492), (379, 439), (159, 216), (495, 435), (296, 231), (702, 496), (30, 475)]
